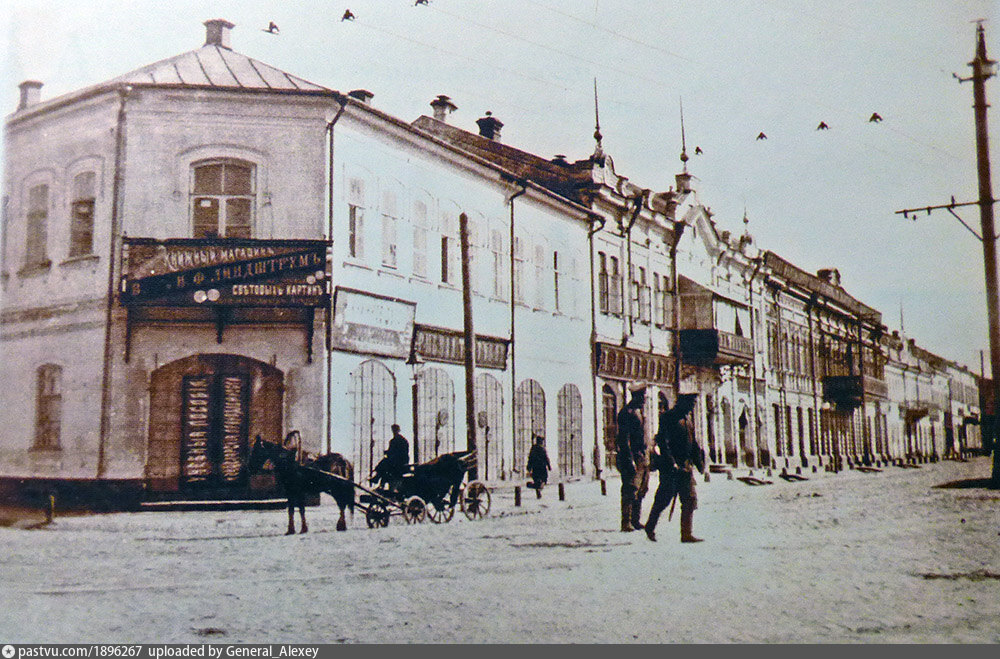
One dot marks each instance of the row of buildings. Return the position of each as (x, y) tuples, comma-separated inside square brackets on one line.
[(208, 249)]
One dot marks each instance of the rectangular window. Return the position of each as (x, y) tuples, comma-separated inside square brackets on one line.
[(356, 218), (540, 287), (389, 221), (615, 287), (450, 264), (222, 200), (603, 285), (555, 281), (81, 238), (778, 445), (499, 271), (37, 227), (643, 296), (789, 431), (420, 239), (518, 271), (48, 402)]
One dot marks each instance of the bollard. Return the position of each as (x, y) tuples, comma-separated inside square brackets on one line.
[(768, 473), (562, 492), (729, 475), (814, 469), (798, 470), (517, 496), (707, 478), (604, 488), (50, 509)]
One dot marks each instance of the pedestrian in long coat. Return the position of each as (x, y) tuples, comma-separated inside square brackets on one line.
[(679, 455), (538, 466), (632, 457)]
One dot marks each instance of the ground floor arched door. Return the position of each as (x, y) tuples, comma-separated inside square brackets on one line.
[(609, 414), (373, 411), (570, 411), (204, 411), (489, 427), (529, 417), (435, 413)]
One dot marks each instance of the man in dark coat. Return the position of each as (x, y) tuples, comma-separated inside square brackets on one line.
[(632, 457), (397, 456), (678, 453), (538, 466)]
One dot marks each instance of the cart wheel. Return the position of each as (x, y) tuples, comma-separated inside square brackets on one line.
[(377, 515), (476, 500), (414, 510), (440, 512)]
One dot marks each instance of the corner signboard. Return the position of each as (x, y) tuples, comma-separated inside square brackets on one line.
[(214, 272), (372, 324)]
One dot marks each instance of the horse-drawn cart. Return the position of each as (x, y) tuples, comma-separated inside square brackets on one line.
[(429, 490)]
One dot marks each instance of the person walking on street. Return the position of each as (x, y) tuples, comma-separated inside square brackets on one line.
[(632, 457), (538, 466), (678, 455)]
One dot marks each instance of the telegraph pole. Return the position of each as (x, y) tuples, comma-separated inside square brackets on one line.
[(982, 69), (469, 334)]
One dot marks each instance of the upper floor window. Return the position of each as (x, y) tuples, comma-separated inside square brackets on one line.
[(356, 218), (498, 259), (81, 229), (222, 199), (541, 301), (518, 270), (555, 282), (389, 221), (420, 238), (614, 286), (37, 227), (604, 302), (48, 407)]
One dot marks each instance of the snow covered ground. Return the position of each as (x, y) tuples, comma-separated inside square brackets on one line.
[(849, 557)]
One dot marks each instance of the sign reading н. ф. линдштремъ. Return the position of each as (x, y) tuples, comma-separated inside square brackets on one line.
[(232, 273)]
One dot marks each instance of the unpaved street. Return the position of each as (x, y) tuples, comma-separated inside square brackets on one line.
[(847, 557)]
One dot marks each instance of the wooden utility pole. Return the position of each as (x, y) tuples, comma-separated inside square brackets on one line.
[(982, 69), (470, 344)]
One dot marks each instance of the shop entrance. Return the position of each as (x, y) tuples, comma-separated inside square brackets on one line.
[(205, 411)]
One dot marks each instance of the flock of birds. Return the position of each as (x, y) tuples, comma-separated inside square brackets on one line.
[(349, 16)]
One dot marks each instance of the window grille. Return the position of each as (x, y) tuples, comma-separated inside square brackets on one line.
[(373, 411), (529, 416), (435, 413), (48, 401), (570, 431)]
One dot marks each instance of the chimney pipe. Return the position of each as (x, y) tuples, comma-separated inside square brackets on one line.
[(362, 95), (443, 107), (489, 126), (31, 93), (217, 32)]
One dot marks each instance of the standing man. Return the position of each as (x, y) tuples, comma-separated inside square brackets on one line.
[(678, 454), (538, 466), (632, 459)]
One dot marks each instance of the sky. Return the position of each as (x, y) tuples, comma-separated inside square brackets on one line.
[(739, 67)]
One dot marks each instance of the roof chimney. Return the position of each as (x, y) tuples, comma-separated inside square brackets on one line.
[(362, 95), (830, 276), (31, 93), (443, 107), (217, 32), (489, 126)]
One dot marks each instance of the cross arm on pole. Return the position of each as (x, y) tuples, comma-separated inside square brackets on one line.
[(907, 212)]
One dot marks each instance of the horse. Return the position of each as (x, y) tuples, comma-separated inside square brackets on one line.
[(440, 478), (299, 481)]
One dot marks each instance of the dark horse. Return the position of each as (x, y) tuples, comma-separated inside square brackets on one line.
[(299, 481)]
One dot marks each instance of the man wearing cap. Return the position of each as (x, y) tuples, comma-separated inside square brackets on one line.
[(678, 454), (632, 459)]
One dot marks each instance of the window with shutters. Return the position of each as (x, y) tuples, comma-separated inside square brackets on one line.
[(35, 250), (48, 408), (222, 199), (81, 229)]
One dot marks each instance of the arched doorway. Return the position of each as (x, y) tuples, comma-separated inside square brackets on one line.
[(435, 413), (746, 446), (373, 411), (529, 418), (728, 439), (570, 431), (609, 412), (203, 411), (489, 426)]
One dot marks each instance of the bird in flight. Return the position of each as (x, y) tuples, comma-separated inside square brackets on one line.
[(348, 16), (822, 126), (271, 28), (762, 136), (698, 151), (875, 118), (421, 2)]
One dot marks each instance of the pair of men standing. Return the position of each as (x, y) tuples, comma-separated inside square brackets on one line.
[(678, 454)]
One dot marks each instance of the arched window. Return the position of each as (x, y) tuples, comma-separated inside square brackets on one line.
[(37, 231), (48, 407), (373, 410), (222, 199), (529, 419), (570, 431), (435, 413), (81, 229)]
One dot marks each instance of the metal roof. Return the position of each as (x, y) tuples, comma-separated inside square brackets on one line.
[(215, 66)]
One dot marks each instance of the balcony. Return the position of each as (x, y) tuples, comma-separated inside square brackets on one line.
[(853, 390), (715, 347)]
